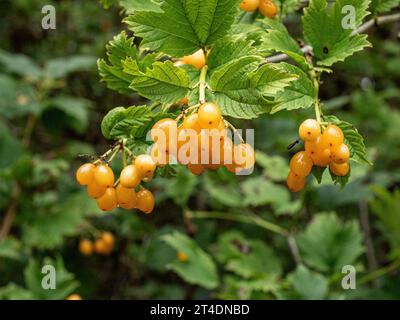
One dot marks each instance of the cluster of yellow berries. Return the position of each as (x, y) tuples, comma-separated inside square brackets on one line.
[(102, 245), (322, 150), (100, 182), (266, 7), (200, 142)]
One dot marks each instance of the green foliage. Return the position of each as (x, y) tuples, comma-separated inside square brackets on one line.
[(241, 234), (183, 26), (328, 244), (323, 30), (199, 268)]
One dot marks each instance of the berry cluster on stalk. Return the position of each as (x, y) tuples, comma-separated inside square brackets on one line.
[(321, 149)]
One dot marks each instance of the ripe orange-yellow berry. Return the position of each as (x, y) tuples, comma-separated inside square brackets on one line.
[(319, 153), (86, 247), (85, 174), (145, 164), (268, 8), (301, 164), (192, 122), (309, 130), (249, 5), (108, 201), (340, 154), (74, 296), (108, 238), (101, 247), (181, 256), (94, 190), (104, 176), (125, 196), (295, 182), (145, 201), (209, 115), (196, 169), (130, 177), (244, 156), (332, 136), (164, 133), (197, 59), (340, 169)]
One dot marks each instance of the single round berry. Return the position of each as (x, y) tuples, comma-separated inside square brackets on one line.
[(125, 196), (130, 177), (197, 59), (185, 100), (332, 136), (159, 155), (209, 115), (108, 238), (85, 174), (301, 164), (101, 247), (86, 247), (295, 182), (339, 169), (192, 122), (145, 164), (340, 154), (145, 201), (181, 256), (94, 190), (318, 152), (268, 8), (74, 296), (164, 133), (244, 156), (108, 201), (196, 169), (309, 130), (249, 5), (104, 176)]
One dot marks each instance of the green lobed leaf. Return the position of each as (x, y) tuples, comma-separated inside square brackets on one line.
[(111, 71), (353, 138), (184, 26), (328, 244), (162, 82), (300, 94), (309, 285), (141, 5), (278, 39), (242, 88), (65, 281), (199, 269), (323, 30), (380, 6)]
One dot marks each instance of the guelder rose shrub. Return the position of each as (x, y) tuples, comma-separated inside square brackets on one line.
[(200, 65)]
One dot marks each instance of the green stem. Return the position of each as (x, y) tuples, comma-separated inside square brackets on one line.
[(379, 273), (317, 106), (250, 219), (203, 84)]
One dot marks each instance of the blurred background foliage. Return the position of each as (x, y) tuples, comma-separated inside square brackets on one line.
[(243, 238)]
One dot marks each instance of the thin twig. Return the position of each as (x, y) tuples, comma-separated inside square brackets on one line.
[(363, 28), (10, 213), (365, 226)]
